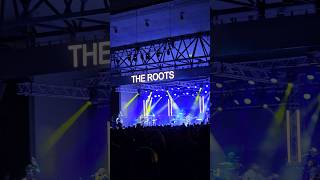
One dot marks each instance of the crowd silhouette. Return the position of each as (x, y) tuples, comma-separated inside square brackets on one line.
[(160, 152)]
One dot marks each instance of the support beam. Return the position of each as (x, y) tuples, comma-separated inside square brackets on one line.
[(44, 19)]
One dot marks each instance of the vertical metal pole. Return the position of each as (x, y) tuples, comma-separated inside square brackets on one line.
[(108, 148), (298, 118), (288, 135)]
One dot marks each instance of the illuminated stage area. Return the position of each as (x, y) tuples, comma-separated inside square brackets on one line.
[(176, 103)]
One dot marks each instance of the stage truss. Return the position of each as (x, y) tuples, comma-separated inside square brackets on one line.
[(177, 53)]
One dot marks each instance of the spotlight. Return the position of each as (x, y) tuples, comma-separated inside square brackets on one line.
[(251, 82), (159, 95), (247, 101), (265, 106), (178, 88), (219, 85), (146, 91), (158, 53), (220, 109), (135, 57), (157, 90), (236, 102), (181, 15), (146, 22), (206, 92), (274, 80), (195, 86), (148, 56), (155, 95), (168, 52), (310, 77), (207, 85), (172, 89), (277, 98), (115, 29), (188, 87), (175, 94), (187, 93), (307, 96)]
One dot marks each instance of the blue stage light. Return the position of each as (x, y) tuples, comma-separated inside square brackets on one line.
[(307, 96), (159, 95), (187, 93), (247, 101), (219, 85), (251, 82), (274, 80), (265, 106), (206, 92), (310, 77), (175, 94), (171, 88), (236, 102), (188, 87), (195, 86)]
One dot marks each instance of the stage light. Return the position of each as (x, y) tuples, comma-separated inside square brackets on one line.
[(219, 85), (146, 91), (157, 90), (57, 135), (195, 86), (175, 94), (236, 102), (178, 88), (172, 89), (220, 109), (188, 87), (207, 85), (184, 93), (181, 15), (251, 82), (155, 95), (274, 80), (146, 22), (310, 77), (168, 52), (307, 96), (187, 93), (277, 98), (265, 106), (206, 92), (247, 101), (159, 95), (130, 101)]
